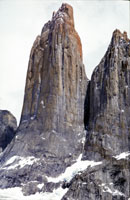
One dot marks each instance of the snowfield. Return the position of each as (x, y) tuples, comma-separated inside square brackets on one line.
[(16, 194), (74, 169), (57, 194)]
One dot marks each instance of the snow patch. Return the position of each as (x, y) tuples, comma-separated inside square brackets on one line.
[(53, 131), (123, 155), (83, 140), (40, 185), (43, 105), (16, 194), (39, 78), (113, 192), (42, 102), (74, 169), (11, 160), (33, 117), (18, 161)]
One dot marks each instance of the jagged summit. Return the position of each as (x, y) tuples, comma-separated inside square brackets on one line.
[(64, 15), (118, 36), (119, 39), (62, 22), (119, 44)]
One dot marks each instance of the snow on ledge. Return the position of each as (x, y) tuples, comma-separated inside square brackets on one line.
[(74, 169), (18, 161), (123, 155), (114, 192)]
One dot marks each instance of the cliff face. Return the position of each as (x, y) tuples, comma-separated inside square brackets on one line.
[(51, 130), (107, 122)]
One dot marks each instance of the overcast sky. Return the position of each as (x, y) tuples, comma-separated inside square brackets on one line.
[(22, 20)]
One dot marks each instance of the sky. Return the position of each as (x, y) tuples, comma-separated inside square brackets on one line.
[(22, 20)]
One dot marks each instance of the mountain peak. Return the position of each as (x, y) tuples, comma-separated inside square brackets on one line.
[(64, 14), (62, 22), (118, 37)]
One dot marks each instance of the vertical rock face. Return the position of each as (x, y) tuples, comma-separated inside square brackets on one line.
[(51, 128), (107, 122), (56, 79), (8, 126), (56, 85)]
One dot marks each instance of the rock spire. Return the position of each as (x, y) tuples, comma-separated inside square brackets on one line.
[(51, 129), (108, 121)]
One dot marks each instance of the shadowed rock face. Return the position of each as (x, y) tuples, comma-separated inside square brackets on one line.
[(107, 121), (8, 126), (51, 127)]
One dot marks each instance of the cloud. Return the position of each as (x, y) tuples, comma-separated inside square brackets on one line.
[(22, 21)]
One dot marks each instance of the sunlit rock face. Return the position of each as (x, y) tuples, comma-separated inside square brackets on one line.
[(8, 126), (51, 131), (56, 85), (107, 122), (56, 79)]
